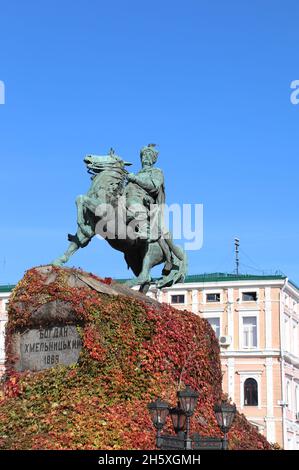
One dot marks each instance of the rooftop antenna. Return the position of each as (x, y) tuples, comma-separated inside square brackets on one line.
[(237, 244)]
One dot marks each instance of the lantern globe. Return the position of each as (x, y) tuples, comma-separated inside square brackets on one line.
[(178, 418), (225, 415), (188, 400), (159, 411)]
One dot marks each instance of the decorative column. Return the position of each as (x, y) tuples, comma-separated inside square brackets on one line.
[(195, 301), (270, 423), (268, 318), (231, 378), (159, 295), (230, 315)]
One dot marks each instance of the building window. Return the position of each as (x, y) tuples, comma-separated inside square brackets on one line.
[(215, 324), (213, 297), (249, 296), (250, 392), (249, 332), (178, 299)]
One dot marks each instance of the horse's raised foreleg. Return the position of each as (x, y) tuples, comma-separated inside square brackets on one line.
[(72, 248), (76, 241), (83, 203), (80, 210), (85, 231)]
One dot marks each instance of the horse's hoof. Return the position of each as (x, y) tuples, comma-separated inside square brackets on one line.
[(131, 283), (72, 238), (144, 288), (59, 261), (167, 267), (138, 282)]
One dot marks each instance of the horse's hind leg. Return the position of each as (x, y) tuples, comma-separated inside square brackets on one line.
[(153, 256), (144, 288), (144, 275)]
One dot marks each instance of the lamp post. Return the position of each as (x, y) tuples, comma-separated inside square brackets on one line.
[(225, 414), (180, 417)]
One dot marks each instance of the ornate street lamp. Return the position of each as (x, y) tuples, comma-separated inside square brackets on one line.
[(159, 411), (188, 400), (225, 415), (178, 418)]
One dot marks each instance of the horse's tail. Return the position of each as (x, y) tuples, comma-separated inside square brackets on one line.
[(178, 271)]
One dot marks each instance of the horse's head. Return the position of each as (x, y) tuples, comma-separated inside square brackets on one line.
[(97, 163)]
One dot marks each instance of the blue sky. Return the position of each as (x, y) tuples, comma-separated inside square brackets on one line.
[(209, 81)]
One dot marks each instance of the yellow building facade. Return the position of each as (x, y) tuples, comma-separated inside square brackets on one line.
[(256, 321)]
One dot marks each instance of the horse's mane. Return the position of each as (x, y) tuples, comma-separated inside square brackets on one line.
[(107, 167)]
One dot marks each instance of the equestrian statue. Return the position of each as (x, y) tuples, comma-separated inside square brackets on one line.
[(127, 210)]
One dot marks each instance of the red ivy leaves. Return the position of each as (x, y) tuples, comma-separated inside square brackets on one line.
[(92, 342), (132, 353), (12, 387)]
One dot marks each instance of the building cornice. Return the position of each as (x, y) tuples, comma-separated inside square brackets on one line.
[(231, 283), (251, 353), (291, 359)]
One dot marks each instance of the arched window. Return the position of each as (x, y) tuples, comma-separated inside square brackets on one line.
[(250, 392)]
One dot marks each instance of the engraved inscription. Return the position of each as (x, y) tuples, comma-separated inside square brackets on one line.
[(45, 348)]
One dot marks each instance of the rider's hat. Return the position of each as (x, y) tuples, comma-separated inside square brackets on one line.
[(150, 148)]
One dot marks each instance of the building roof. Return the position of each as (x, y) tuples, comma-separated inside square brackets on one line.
[(7, 288), (206, 277), (222, 277)]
